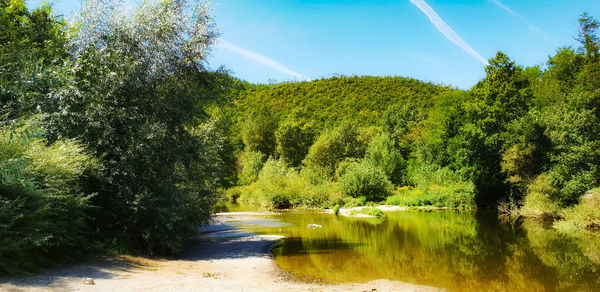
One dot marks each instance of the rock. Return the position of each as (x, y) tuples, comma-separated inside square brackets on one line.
[(313, 226), (89, 281)]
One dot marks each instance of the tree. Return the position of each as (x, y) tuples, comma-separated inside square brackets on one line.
[(31, 43), (294, 137), (258, 131), (399, 122), (332, 147), (503, 96), (134, 88), (383, 155)]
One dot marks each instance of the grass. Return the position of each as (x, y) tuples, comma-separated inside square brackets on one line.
[(367, 211)]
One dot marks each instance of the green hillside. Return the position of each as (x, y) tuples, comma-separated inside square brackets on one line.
[(334, 99)]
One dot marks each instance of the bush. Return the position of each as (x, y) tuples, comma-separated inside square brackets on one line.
[(365, 180), (332, 147), (434, 186), (368, 211), (43, 203), (279, 186), (251, 162), (294, 138), (382, 154), (538, 202), (435, 198), (586, 214), (336, 209)]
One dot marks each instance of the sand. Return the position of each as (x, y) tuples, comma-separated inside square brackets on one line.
[(223, 258)]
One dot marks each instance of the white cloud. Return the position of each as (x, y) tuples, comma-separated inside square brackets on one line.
[(519, 16), (254, 56), (446, 30)]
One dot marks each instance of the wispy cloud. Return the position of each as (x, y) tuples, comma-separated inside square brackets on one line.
[(254, 56), (519, 16), (446, 30)]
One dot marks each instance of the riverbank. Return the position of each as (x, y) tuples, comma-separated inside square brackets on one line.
[(223, 258)]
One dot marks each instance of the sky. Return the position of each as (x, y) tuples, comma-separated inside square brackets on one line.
[(440, 41)]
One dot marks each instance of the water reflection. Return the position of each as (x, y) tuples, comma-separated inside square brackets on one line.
[(449, 249)]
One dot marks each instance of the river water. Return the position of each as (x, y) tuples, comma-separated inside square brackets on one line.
[(455, 250)]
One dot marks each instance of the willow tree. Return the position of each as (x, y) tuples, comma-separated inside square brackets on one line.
[(135, 84)]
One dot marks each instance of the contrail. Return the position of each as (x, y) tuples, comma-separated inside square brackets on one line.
[(446, 30), (519, 16), (262, 59)]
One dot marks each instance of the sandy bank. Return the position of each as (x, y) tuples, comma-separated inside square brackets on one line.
[(223, 258)]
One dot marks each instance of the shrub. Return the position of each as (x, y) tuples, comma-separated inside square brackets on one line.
[(365, 180), (368, 211), (382, 154), (586, 214), (434, 186), (43, 203), (336, 209), (538, 202), (331, 148), (294, 138), (251, 162)]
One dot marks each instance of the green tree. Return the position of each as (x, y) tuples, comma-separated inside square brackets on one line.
[(294, 137), (331, 148), (383, 155), (258, 131), (401, 122), (133, 93), (31, 43), (476, 150)]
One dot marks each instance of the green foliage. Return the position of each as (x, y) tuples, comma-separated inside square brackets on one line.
[(336, 99), (331, 148), (294, 137), (366, 180), (336, 209), (344, 165), (252, 163), (434, 186), (279, 186), (402, 123), (135, 92), (32, 43), (43, 201), (258, 131), (538, 201), (586, 214), (382, 154), (367, 211)]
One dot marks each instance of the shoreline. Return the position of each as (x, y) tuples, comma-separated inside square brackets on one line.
[(222, 258)]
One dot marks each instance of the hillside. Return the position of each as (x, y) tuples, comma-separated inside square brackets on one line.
[(334, 99)]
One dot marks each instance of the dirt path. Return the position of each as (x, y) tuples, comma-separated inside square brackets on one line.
[(223, 259)]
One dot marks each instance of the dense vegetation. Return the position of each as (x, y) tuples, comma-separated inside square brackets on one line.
[(116, 137), (106, 143), (522, 140)]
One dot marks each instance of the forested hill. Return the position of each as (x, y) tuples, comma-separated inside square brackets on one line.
[(334, 99)]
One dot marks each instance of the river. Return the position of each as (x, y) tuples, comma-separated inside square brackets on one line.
[(455, 250)]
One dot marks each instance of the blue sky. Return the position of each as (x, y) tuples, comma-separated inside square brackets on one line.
[(443, 41)]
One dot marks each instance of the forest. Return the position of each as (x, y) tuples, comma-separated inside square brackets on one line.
[(116, 136)]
